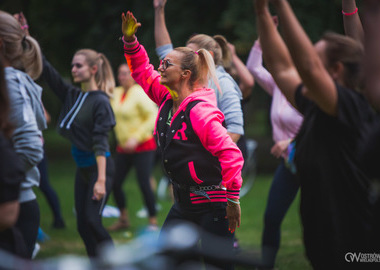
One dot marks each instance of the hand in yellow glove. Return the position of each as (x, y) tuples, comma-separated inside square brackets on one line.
[(129, 26)]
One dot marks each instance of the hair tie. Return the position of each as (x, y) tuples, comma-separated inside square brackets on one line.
[(195, 52)]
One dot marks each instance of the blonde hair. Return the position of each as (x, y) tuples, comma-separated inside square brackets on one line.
[(217, 45), (201, 65), (21, 51), (104, 77)]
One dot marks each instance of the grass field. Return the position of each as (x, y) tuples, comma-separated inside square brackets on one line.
[(67, 241)]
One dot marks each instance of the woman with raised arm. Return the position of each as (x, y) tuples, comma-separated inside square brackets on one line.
[(286, 121), (197, 153), (229, 95), (86, 119), (321, 81)]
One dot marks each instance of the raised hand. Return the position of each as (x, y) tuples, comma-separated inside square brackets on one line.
[(260, 5), (159, 3), (129, 26)]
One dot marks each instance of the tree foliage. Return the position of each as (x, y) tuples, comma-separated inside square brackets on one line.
[(62, 27)]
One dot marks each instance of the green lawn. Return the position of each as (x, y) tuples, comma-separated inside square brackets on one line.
[(67, 241)]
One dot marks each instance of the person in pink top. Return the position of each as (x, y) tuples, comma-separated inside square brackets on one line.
[(286, 121), (199, 157)]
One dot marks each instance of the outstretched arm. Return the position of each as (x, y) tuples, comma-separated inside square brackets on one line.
[(351, 20), (275, 53), (161, 34), (371, 22), (318, 84), (138, 61)]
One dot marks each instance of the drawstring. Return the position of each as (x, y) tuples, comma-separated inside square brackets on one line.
[(77, 106)]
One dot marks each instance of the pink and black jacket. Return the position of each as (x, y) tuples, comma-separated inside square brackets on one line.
[(197, 153)]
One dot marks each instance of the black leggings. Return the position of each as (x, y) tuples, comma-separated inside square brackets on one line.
[(28, 222), (88, 211), (143, 162), (48, 191), (212, 222)]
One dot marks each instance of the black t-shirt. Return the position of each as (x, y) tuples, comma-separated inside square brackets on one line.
[(335, 209), (370, 152)]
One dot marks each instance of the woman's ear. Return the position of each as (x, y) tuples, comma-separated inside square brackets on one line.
[(186, 73), (94, 69), (337, 71)]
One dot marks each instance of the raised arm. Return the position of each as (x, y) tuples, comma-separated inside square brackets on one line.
[(371, 22), (351, 20), (255, 66), (161, 34), (138, 61), (246, 80), (49, 73), (275, 53), (318, 84)]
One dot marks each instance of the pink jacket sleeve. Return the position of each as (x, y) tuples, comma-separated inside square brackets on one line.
[(207, 124), (143, 72), (255, 66)]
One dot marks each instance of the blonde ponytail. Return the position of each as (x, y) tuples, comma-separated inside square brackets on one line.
[(32, 57), (22, 52), (226, 52), (104, 77), (207, 66)]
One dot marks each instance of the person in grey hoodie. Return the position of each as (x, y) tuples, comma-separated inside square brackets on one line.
[(22, 53)]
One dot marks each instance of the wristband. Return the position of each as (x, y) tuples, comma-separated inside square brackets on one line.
[(350, 13), (235, 202), (129, 43)]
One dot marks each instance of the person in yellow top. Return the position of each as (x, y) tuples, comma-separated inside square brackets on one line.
[(135, 116)]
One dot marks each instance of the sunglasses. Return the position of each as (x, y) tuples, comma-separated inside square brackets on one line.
[(166, 63)]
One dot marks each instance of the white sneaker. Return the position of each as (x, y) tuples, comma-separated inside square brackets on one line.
[(36, 249)]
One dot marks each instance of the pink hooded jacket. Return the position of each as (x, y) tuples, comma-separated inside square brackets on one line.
[(196, 149)]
